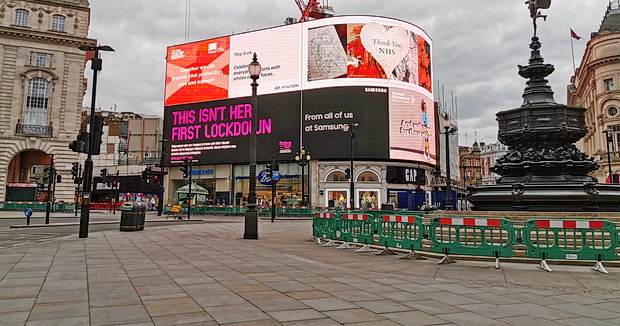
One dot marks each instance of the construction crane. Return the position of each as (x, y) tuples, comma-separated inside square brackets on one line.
[(312, 9)]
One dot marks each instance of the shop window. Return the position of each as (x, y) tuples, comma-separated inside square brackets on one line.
[(369, 199), (367, 176), (337, 176), (21, 17), (337, 198)]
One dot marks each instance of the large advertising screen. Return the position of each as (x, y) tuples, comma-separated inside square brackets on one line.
[(317, 77)]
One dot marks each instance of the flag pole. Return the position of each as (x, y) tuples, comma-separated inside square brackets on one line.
[(572, 52)]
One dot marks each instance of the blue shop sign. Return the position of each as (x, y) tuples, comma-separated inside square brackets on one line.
[(264, 178), (203, 172)]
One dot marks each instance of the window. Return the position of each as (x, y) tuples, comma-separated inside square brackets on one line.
[(615, 138), (40, 59), (611, 111), (367, 176), (609, 84), (58, 23), (337, 176), (21, 17), (37, 102)]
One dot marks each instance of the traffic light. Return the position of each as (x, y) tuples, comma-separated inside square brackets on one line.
[(268, 170), (75, 166), (104, 173), (185, 169), (47, 174), (147, 175), (347, 173), (58, 178), (81, 144), (97, 131), (114, 183), (156, 179)]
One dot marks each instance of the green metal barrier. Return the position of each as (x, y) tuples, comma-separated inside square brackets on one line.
[(491, 237), (325, 225), (358, 227), (401, 231), (571, 239)]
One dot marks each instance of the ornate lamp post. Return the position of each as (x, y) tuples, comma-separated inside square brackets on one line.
[(251, 215), (302, 159), (608, 137), (95, 65), (449, 129)]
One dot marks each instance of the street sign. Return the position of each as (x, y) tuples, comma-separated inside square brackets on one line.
[(275, 176), (28, 212)]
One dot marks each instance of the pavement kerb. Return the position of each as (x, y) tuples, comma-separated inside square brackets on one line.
[(91, 223), (524, 260)]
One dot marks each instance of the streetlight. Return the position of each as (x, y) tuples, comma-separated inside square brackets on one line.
[(303, 159), (609, 137), (448, 130), (160, 207), (95, 65), (251, 215), (352, 182)]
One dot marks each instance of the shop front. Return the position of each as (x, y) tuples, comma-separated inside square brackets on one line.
[(288, 191), (213, 182)]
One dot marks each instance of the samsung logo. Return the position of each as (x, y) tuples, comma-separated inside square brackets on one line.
[(375, 90)]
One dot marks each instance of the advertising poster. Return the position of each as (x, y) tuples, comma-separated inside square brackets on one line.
[(219, 131), (412, 126), (365, 50), (279, 52), (327, 113), (197, 71)]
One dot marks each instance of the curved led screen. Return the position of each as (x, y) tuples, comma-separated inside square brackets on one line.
[(317, 77)]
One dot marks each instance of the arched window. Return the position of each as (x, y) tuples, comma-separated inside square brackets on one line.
[(37, 103), (21, 17), (367, 176), (58, 23), (337, 176)]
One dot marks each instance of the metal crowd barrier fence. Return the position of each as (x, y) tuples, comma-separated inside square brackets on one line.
[(492, 237), (572, 240), (403, 231)]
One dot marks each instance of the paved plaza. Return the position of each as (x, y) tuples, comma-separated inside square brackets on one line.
[(205, 274)]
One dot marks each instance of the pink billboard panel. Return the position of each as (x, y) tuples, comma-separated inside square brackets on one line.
[(197, 71), (412, 126)]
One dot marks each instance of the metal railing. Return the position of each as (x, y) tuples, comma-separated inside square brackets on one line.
[(25, 129)]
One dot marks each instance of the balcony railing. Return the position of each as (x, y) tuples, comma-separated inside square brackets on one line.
[(36, 130)]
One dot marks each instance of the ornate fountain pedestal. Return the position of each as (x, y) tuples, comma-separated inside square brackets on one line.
[(543, 170)]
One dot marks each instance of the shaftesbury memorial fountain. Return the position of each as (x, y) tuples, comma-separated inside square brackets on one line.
[(543, 169)]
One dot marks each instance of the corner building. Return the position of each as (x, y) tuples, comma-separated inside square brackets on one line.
[(596, 87), (342, 89), (41, 91)]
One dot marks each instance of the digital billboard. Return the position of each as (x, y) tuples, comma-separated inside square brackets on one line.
[(317, 77)]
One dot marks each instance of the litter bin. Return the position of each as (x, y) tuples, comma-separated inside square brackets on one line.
[(132, 216)]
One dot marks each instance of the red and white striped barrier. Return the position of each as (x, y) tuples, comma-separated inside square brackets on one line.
[(356, 217), (574, 224), (470, 221), (324, 215), (399, 218)]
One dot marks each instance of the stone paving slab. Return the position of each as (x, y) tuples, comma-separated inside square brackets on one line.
[(205, 274)]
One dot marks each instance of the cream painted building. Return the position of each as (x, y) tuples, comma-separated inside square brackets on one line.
[(596, 86), (41, 88)]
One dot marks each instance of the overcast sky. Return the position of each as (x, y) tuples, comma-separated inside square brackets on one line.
[(477, 45)]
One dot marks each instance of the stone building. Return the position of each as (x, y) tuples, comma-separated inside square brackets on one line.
[(470, 165), (489, 154), (41, 89), (596, 86)]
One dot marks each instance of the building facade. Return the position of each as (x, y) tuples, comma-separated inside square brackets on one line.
[(596, 87), (489, 154), (470, 165), (41, 91)]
